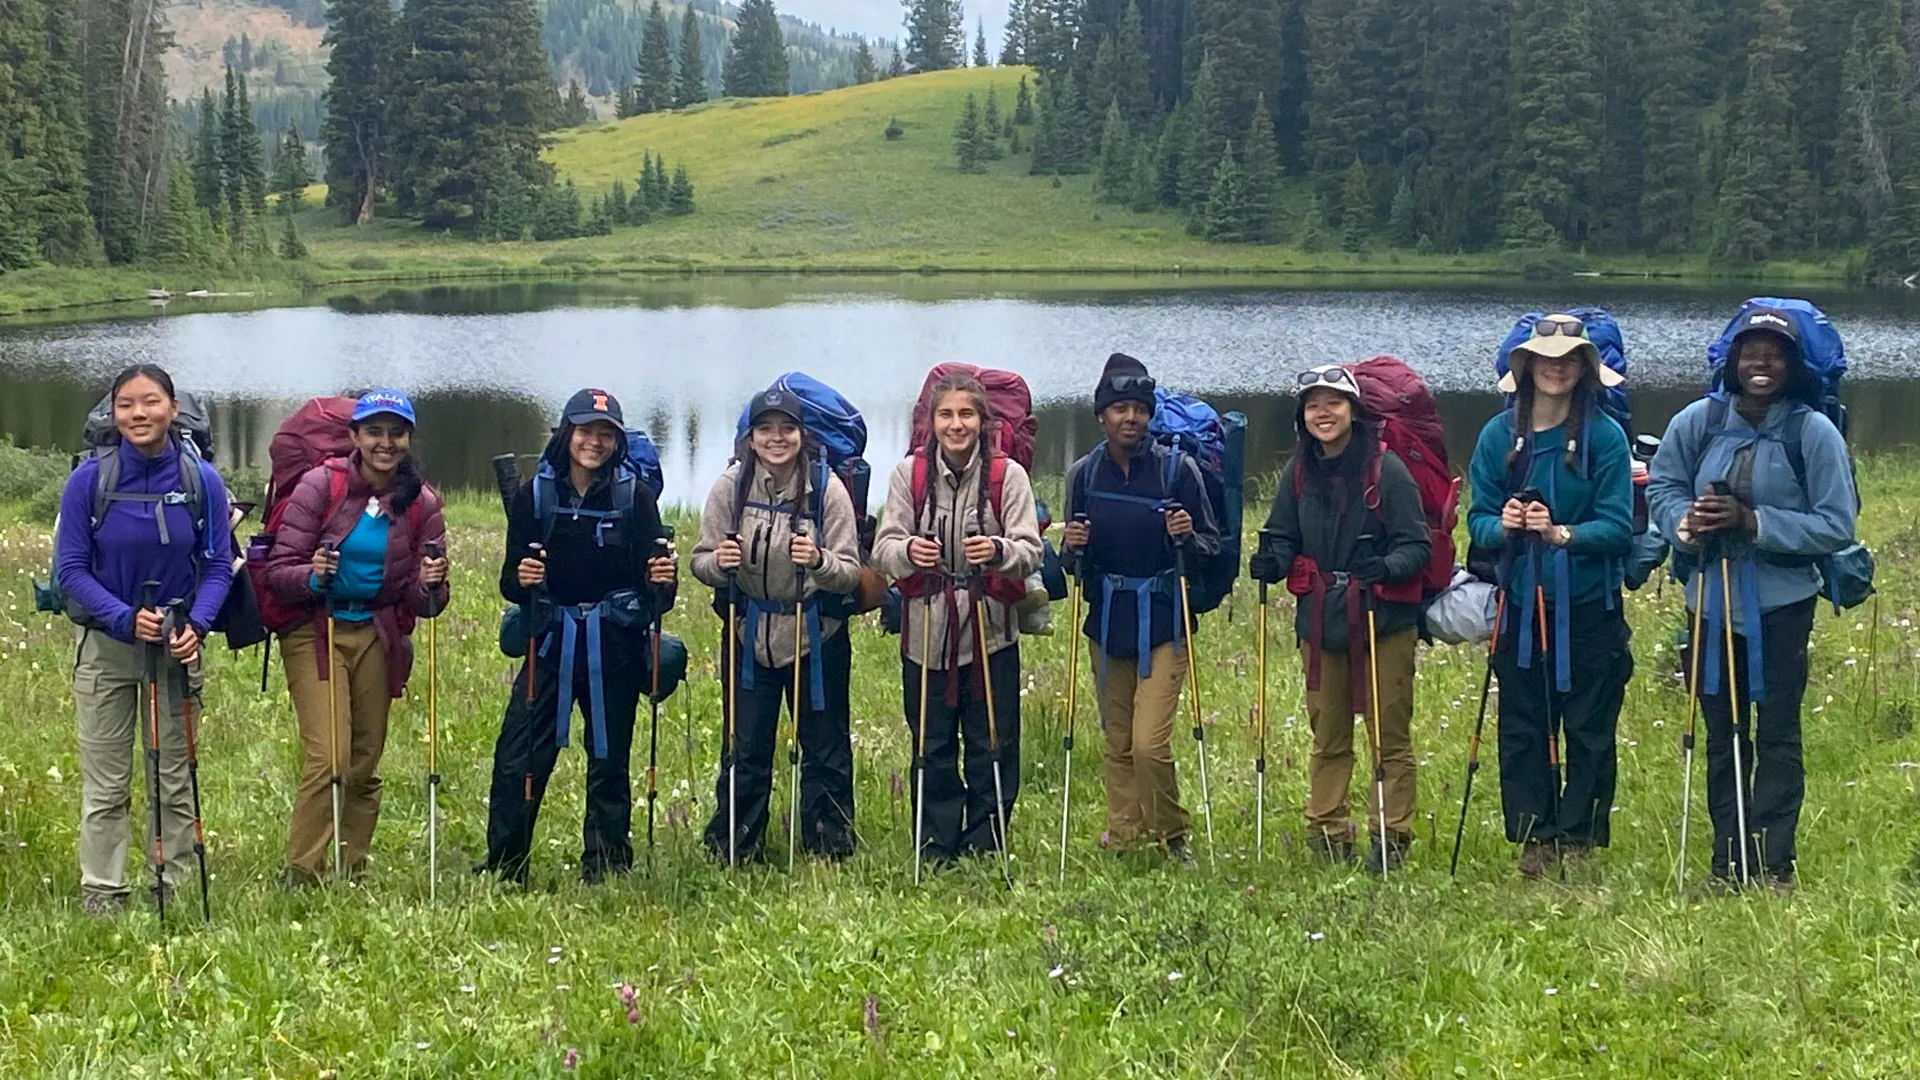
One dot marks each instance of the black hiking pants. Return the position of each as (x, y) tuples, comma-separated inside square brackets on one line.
[(528, 747), (1774, 780), (826, 760), (1535, 801), (959, 817)]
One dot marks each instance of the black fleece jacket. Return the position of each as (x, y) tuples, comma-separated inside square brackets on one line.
[(1327, 522)]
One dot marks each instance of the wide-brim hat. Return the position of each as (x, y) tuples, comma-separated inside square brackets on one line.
[(1562, 339)]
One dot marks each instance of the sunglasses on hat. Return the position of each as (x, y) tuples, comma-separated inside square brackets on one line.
[(1128, 384), (1333, 375), (1563, 325)]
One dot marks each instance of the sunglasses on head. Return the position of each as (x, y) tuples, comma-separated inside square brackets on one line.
[(1337, 377), (1126, 384), (1563, 325)]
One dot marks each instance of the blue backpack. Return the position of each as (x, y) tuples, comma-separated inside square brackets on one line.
[(1217, 443), (1605, 334), (640, 466), (840, 432), (1848, 574)]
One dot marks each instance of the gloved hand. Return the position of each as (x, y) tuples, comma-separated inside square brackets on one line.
[(1265, 566), (1369, 569)]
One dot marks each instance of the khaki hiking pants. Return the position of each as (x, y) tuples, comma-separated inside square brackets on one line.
[(360, 728), (110, 700), (1330, 768), (1143, 796)]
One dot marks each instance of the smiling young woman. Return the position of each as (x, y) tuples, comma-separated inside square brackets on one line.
[(960, 550)]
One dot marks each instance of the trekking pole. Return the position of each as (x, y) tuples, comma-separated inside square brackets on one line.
[(793, 748), (1193, 691), (1686, 740), (920, 745), (149, 598), (179, 617), (1379, 745), (1074, 590), (1734, 714), (729, 752), (662, 548), (1546, 686), (993, 729), (1479, 724), (433, 551), (537, 551), (1260, 754), (335, 781)]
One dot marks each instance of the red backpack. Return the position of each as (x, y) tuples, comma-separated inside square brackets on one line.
[(1409, 425), (1013, 433), (318, 433)]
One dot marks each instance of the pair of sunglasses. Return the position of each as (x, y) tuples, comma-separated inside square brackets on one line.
[(1338, 378), (1127, 384), (1563, 325)]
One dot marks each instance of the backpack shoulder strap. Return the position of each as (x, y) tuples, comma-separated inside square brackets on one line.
[(742, 487), (921, 481), (545, 491), (1794, 438), (106, 463), (820, 476), (997, 486), (624, 479)]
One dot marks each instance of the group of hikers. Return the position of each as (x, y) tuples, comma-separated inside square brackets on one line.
[(1750, 489)]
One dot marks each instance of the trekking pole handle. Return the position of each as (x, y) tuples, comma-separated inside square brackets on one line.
[(328, 548), (433, 551)]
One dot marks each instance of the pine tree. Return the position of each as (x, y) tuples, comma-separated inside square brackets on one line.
[(864, 70), (931, 44), (178, 240), (1873, 80), (661, 190), (1670, 178), (896, 66), (363, 70), (573, 108), (208, 183), (626, 103), (1403, 231), (990, 127), (1356, 208), (1224, 220), (1132, 81), (1013, 48), (46, 200), (680, 196), (1143, 184), (617, 203), (291, 176), (1457, 188), (968, 138), (1114, 179), (757, 60), (1555, 110), (1754, 205), (653, 76), (979, 45), (478, 87), (1260, 178), (1313, 226), (1893, 253), (18, 249), (1241, 38), (1023, 104), (1200, 154), (291, 246), (690, 82)]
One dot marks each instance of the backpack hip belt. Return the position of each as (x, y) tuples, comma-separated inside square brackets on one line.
[(753, 611), (1308, 581), (1143, 590)]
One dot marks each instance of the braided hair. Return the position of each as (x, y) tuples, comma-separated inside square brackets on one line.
[(957, 382), (1585, 394)]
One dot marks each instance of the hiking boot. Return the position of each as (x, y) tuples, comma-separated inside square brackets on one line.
[(1180, 851), (1782, 883), (103, 905), (1534, 857), (1334, 849), (1394, 855), (294, 879), (1574, 851)]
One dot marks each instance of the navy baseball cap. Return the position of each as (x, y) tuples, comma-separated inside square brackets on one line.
[(774, 400), (375, 402), (590, 405)]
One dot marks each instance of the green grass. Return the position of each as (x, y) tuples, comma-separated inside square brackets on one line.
[(810, 184), (1132, 968)]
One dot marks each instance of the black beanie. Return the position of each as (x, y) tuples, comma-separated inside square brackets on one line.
[(1122, 366)]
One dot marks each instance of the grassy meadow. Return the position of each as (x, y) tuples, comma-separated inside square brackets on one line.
[(1133, 967), (810, 184)]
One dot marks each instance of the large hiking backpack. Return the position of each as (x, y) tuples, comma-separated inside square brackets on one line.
[(192, 434), (318, 433), (840, 432), (1014, 428), (1848, 574), (1409, 425), (1192, 429), (640, 466), (1604, 332)]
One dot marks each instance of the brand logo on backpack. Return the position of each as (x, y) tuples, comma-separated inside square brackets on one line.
[(1761, 319)]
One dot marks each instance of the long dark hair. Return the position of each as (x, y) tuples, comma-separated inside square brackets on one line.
[(1585, 394), (151, 371), (743, 452), (958, 382), (407, 481), (1305, 445)]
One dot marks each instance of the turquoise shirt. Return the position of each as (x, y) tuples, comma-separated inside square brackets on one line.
[(1596, 502), (363, 562)]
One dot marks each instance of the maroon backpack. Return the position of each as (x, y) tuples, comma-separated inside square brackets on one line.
[(1409, 425)]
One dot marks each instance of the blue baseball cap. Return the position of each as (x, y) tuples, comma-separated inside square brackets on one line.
[(374, 402)]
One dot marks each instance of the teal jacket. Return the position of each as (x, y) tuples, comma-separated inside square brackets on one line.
[(1598, 506)]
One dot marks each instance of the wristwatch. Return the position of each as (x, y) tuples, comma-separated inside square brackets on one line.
[(1565, 534)]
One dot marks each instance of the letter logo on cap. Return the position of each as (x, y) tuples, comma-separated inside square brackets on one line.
[(599, 401), (1768, 318)]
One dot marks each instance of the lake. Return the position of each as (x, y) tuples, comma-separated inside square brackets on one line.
[(488, 366)]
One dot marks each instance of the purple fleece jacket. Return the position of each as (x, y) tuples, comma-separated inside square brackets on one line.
[(103, 572)]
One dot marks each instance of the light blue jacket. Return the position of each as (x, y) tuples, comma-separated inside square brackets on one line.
[(1809, 523)]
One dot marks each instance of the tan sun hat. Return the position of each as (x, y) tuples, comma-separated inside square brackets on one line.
[(1556, 336)]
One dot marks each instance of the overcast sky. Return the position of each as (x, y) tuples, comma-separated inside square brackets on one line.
[(883, 18)]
